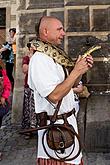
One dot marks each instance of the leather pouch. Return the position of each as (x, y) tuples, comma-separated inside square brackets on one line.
[(41, 119)]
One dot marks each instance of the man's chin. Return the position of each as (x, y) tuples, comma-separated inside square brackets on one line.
[(59, 42)]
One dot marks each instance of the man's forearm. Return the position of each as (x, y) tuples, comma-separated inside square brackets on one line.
[(77, 81), (63, 88)]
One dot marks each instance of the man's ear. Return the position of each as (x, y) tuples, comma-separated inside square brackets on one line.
[(45, 32)]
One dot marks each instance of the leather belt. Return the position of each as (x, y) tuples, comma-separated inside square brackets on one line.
[(68, 114)]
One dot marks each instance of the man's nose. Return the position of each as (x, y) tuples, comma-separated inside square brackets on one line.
[(63, 33)]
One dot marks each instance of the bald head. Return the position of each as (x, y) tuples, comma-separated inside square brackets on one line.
[(51, 30), (46, 22)]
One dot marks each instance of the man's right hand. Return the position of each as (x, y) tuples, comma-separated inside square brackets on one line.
[(83, 64)]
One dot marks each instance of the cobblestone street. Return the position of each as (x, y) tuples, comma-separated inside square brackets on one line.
[(18, 151)]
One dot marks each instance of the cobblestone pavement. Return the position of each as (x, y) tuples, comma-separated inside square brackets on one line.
[(18, 151)]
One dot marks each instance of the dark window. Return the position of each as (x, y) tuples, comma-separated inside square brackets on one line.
[(2, 17)]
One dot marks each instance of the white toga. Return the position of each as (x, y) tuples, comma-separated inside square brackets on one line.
[(43, 76)]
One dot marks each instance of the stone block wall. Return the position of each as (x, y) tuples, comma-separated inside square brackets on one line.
[(86, 23)]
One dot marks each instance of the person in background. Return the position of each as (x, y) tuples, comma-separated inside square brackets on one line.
[(46, 77), (5, 89), (8, 57), (12, 40), (29, 115)]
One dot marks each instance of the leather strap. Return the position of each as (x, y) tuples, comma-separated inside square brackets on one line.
[(49, 117), (54, 117)]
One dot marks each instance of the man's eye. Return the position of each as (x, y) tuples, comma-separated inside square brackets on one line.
[(61, 28)]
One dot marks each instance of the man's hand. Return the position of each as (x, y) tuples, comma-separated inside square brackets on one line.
[(83, 64), (89, 59)]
